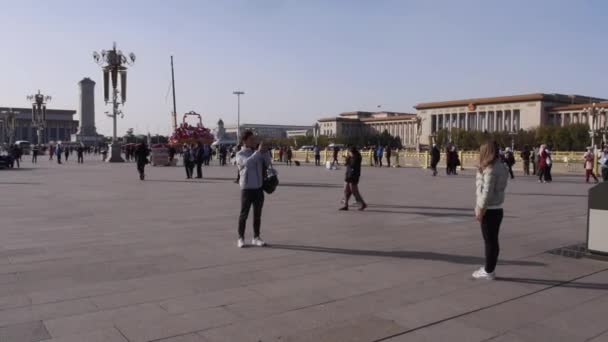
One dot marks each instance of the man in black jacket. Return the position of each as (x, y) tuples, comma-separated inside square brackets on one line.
[(435, 157), (141, 156), (199, 157)]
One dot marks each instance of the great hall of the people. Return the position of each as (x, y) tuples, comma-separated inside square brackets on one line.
[(503, 113)]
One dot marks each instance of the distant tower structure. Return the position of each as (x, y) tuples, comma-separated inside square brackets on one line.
[(87, 133)]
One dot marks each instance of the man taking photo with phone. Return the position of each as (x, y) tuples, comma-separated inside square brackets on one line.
[(251, 163)]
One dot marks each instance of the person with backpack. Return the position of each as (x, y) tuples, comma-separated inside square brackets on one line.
[(252, 163)]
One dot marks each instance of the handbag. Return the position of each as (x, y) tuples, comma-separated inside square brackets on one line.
[(271, 181)]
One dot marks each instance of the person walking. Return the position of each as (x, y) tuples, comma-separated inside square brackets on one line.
[(525, 157), (35, 152), (51, 152), (351, 179), (80, 153), (288, 156), (317, 152), (199, 157), (207, 154), (589, 165), (335, 162), (188, 161), (604, 164), (252, 165), (388, 155), (67, 153), (59, 152), (510, 161), (16, 155), (435, 157), (491, 182), (141, 154), (549, 162)]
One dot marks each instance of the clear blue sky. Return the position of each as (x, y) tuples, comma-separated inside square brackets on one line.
[(301, 60)]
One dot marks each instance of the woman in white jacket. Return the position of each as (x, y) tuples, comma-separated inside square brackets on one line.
[(491, 182)]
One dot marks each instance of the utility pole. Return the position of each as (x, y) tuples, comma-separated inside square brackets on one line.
[(238, 94)]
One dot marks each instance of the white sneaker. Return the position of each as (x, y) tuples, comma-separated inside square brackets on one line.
[(241, 243), (482, 274), (258, 242)]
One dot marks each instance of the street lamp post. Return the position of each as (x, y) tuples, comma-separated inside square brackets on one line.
[(316, 132), (39, 113), (10, 123), (238, 94), (114, 62)]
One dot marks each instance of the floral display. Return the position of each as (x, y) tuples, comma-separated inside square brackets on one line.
[(188, 134)]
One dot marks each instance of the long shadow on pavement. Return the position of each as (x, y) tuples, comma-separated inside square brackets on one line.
[(423, 213), (416, 207), (539, 194), (310, 185), (560, 283), (452, 258)]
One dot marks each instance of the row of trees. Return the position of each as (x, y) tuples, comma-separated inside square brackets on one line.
[(568, 138)]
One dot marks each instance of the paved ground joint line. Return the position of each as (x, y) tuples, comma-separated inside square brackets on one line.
[(488, 306)]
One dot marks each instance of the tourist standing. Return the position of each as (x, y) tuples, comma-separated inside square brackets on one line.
[(525, 157), (141, 154), (388, 156), (317, 152), (35, 152), (351, 179), (199, 156), (67, 153), (435, 157), (59, 152), (491, 182), (172, 152), (207, 154), (336, 153), (51, 152), (380, 155), (589, 164), (251, 165), (535, 159), (542, 164), (188, 161), (510, 161), (549, 162), (288, 155), (604, 164), (80, 152)]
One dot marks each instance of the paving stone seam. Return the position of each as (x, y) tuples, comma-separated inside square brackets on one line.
[(488, 306)]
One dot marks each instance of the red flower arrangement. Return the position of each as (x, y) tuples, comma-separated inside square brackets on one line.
[(188, 134)]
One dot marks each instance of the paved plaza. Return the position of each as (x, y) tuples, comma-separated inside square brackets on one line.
[(90, 253)]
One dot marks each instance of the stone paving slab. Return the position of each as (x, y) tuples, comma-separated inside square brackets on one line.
[(90, 253)]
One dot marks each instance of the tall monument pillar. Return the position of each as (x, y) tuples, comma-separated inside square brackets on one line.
[(87, 133)]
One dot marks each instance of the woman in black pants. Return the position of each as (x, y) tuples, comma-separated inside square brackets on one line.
[(491, 182), (353, 173)]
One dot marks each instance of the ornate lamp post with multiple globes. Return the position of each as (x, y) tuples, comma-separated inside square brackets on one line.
[(114, 63), (39, 113), (9, 124)]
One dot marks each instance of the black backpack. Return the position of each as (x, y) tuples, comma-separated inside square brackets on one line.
[(271, 181)]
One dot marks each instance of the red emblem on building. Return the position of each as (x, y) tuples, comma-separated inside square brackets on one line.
[(471, 107)]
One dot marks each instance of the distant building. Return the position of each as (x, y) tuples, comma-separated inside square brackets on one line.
[(261, 130), (299, 133), (348, 124), (60, 125), (510, 113)]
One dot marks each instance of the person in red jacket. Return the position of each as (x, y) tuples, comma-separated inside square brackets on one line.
[(589, 164), (542, 164)]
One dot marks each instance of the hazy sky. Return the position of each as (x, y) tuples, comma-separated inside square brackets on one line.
[(300, 60)]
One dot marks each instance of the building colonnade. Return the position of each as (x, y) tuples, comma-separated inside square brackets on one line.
[(491, 121)]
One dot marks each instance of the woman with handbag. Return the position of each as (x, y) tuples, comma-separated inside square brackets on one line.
[(353, 173)]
